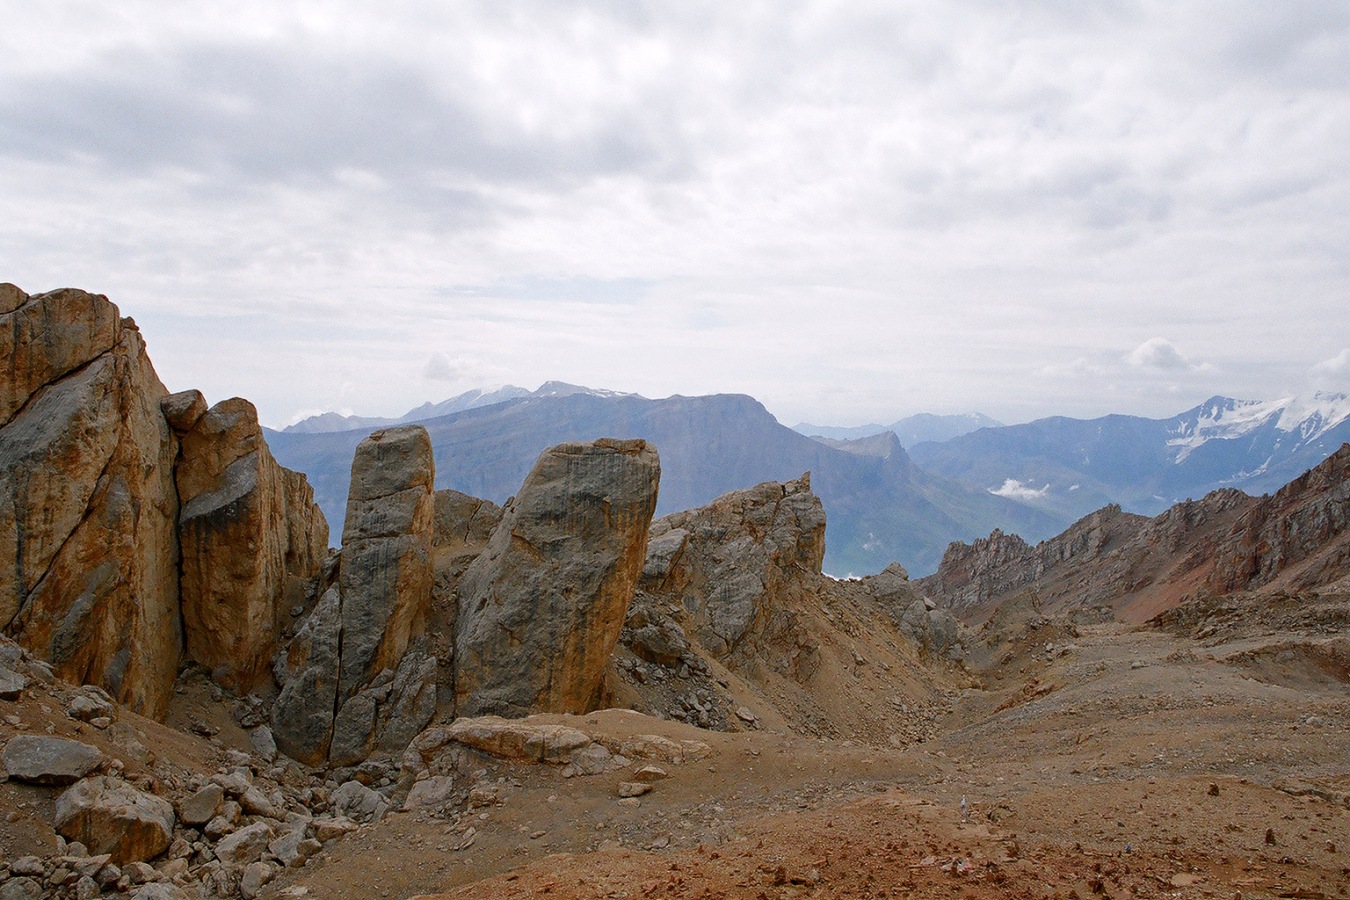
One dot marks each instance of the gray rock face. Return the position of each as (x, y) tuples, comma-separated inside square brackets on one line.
[(359, 803), (201, 807), (108, 815), (349, 681), (49, 760), (244, 846), (736, 562), (541, 608)]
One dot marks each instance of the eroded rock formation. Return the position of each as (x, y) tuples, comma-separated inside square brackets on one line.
[(541, 608), (250, 534), (358, 676), (88, 508)]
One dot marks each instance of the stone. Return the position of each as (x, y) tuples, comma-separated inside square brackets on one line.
[(434, 791), (354, 801), (234, 530), (256, 803), (650, 774), (88, 546), (327, 828), (302, 717), (182, 410), (519, 741), (633, 788), (12, 684), (90, 703), (540, 610), (263, 742), (292, 848), (247, 845), (385, 576), (140, 872), (743, 566), (21, 889), (108, 815), (42, 759), (255, 876), (158, 890), (28, 865)]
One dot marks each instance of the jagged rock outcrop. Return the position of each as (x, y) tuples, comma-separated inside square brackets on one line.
[(737, 562), (88, 507), (1301, 532), (250, 534), (1294, 539), (358, 676), (541, 608)]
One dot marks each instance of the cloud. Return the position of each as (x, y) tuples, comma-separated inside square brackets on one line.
[(440, 368), (1016, 490), (1334, 371), (1158, 354)]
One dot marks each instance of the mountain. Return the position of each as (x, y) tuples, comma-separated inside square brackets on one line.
[(881, 507), (1070, 467), (910, 430), (331, 421), (1296, 539)]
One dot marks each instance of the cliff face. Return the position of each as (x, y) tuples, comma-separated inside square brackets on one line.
[(1224, 542), (88, 509), (118, 501)]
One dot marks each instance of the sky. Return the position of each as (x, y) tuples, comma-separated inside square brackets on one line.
[(853, 211)]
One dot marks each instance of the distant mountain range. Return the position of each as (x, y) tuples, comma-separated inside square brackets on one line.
[(910, 430), (1070, 467), (884, 503), (880, 507)]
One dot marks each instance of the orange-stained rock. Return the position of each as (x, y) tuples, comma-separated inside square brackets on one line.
[(88, 553), (248, 530), (541, 608)]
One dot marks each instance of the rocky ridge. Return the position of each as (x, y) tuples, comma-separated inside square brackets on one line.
[(1139, 567)]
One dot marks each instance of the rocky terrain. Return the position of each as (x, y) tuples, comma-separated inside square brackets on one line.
[(566, 696)]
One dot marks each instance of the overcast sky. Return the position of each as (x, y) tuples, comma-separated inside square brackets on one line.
[(853, 211)]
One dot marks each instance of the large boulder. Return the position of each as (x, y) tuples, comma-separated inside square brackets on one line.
[(42, 759), (250, 535), (302, 717), (541, 608), (108, 815), (88, 550)]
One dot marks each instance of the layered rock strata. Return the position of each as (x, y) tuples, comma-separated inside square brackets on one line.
[(88, 507), (540, 610)]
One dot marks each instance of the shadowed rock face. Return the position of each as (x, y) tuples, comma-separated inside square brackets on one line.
[(541, 609), (248, 528), (88, 550), (357, 676)]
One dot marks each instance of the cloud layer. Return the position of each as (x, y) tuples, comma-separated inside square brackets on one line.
[(852, 211)]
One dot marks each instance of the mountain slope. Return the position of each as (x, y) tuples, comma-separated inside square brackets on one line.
[(880, 507), (1296, 539), (1073, 466)]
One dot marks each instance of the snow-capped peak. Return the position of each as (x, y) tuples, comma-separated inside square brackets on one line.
[(1225, 418)]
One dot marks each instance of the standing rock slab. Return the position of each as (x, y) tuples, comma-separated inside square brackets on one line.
[(49, 760), (541, 608), (108, 815), (239, 556), (88, 545), (385, 579)]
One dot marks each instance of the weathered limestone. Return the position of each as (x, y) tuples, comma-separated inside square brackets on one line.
[(357, 676), (541, 608), (249, 529), (108, 815), (88, 551)]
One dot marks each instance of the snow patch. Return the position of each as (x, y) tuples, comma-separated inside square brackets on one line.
[(1225, 419)]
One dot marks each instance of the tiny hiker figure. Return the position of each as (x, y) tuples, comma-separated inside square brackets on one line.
[(965, 810)]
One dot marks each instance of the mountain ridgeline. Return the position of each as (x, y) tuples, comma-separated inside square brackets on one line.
[(882, 508)]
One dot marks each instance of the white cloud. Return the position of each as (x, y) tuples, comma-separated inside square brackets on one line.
[(695, 197), (1158, 354), (1333, 372), (1016, 490)]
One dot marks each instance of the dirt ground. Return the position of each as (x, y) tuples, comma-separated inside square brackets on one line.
[(1107, 760)]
